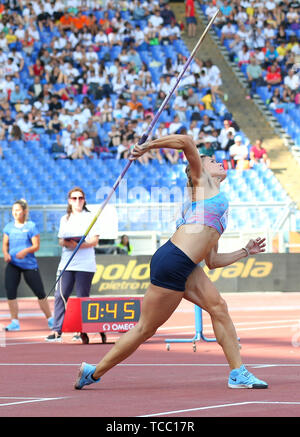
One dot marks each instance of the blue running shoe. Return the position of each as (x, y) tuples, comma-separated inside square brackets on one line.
[(13, 326), (241, 378), (50, 322), (85, 376)]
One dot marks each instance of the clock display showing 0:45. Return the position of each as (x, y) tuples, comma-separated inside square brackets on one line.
[(113, 310)]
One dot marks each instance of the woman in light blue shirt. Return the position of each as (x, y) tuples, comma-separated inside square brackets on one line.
[(20, 241)]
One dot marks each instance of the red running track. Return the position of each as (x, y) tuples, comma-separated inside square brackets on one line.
[(37, 377)]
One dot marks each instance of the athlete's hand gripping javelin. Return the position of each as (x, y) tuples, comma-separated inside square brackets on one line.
[(139, 150)]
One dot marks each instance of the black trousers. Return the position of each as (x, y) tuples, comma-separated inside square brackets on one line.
[(32, 278)]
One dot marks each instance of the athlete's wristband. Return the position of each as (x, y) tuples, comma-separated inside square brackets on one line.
[(246, 250)]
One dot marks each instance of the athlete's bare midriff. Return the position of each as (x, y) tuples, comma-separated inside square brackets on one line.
[(195, 240)]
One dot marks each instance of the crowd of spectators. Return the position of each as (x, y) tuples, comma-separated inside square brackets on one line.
[(73, 72), (263, 38)]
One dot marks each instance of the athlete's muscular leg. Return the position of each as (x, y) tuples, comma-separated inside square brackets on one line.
[(158, 305), (202, 292)]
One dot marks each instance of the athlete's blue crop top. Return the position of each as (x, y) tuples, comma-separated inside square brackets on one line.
[(211, 212)]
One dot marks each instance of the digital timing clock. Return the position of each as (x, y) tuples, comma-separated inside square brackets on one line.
[(107, 314)]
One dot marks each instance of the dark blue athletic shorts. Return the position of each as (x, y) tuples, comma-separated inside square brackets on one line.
[(170, 267), (191, 20)]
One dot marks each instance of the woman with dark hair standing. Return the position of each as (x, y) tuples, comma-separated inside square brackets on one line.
[(21, 240), (81, 269)]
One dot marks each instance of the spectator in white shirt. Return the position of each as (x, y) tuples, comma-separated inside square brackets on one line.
[(292, 16), (70, 73), (245, 34), (70, 144), (228, 31), (244, 55), (241, 15), (85, 37), (33, 33), (149, 32), (259, 39), (268, 31), (65, 119), (101, 38), (118, 83), (175, 125), (180, 106), (71, 105), (85, 145), (139, 36), (210, 10), (174, 31), (26, 107), (8, 85), (215, 80), (270, 5), (24, 123), (203, 80), (20, 32), (223, 137), (11, 69), (114, 38), (17, 58), (91, 55), (59, 43), (82, 114), (72, 39), (194, 130), (155, 19), (78, 55), (165, 84), (238, 151), (292, 80)]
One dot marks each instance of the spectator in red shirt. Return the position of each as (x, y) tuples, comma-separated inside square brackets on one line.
[(258, 154), (273, 77), (190, 17), (37, 69)]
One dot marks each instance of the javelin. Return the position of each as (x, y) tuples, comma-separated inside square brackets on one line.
[(141, 141)]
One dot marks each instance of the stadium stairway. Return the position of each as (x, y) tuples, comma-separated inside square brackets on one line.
[(247, 113)]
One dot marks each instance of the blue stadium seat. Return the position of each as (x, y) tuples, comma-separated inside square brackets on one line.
[(220, 155)]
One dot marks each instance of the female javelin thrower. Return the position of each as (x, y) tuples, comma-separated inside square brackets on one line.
[(174, 269)]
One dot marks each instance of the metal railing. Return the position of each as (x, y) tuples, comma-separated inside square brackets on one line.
[(271, 218)]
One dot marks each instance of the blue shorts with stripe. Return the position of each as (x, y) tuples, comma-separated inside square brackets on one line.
[(170, 267)]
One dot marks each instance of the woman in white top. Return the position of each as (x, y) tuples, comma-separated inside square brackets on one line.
[(81, 269)]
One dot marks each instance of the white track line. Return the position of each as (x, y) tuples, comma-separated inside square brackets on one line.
[(268, 322), (27, 400), (236, 404), (169, 331), (239, 326)]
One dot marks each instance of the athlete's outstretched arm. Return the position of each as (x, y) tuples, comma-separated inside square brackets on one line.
[(215, 259)]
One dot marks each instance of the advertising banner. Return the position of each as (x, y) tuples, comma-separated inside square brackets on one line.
[(122, 275)]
